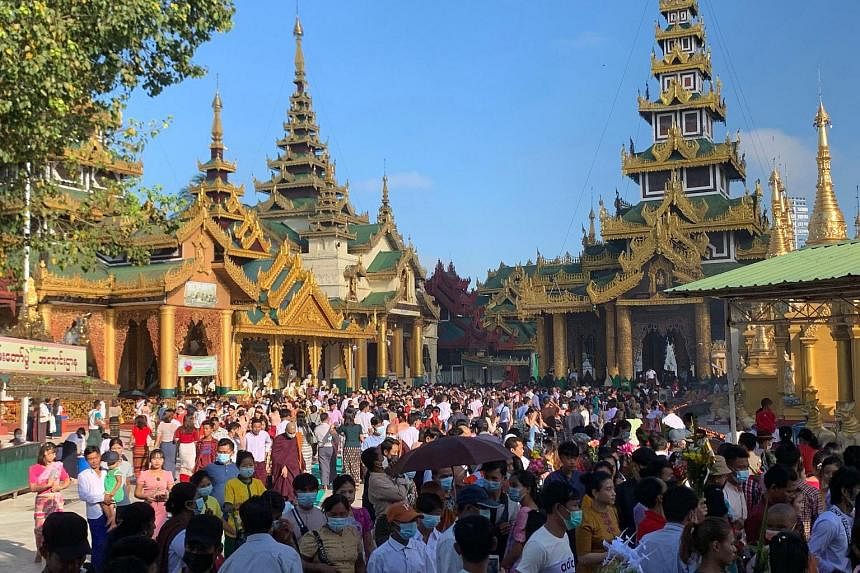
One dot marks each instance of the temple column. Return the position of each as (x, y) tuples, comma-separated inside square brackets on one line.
[(346, 352), (541, 350), (807, 350), (110, 345), (625, 342), (276, 355), (45, 310), (703, 340), (361, 362), (611, 358), (225, 361), (236, 345), (167, 367), (559, 344), (397, 351), (139, 365), (416, 364), (315, 357), (382, 350), (842, 336), (780, 339)]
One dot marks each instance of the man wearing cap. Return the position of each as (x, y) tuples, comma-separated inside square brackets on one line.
[(471, 500), (398, 555), (64, 542)]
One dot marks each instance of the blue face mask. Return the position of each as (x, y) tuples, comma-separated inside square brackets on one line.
[(573, 519), (223, 458), (742, 476), (380, 431), (515, 494), (408, 530), (409, 475), (491, 485), (339, 523), (485, 513), (447, 483), (430, 521), (205, 491), (306, 499), (246, 472)]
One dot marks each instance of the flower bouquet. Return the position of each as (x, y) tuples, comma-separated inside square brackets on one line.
[(621, 557), (698, 459), (591, 450)]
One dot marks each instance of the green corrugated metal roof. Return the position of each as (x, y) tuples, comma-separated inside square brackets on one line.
[(378, 298), (363, 233), (798, 268), (384, 261)]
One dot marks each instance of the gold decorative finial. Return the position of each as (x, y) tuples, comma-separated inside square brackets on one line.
[(592, 234), (386, 214), (857, 216), (777, 243), (217, 128), (299, 32), (827, 223), (297, 29)]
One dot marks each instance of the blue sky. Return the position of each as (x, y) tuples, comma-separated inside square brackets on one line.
[(490, 113)]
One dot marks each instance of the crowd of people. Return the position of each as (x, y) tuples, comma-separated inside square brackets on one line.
[(315, 483)]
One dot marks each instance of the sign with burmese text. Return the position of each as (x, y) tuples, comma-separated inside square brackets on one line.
[(36, 357), (197, 365)]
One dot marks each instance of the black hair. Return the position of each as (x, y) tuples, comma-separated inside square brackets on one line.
[(198, 477), (227, 442), (733, 452), (789, 553), (655, 468), (787, 454), (500, 465), (593, 481), (851, 456), (139, 546), (534, 521), (678, 502), (786, 433), (778, 476), (305, 481), (243, 455), (474, 536), (92, 450), (647, 490), (179, 495), (428, 502), (133, 519), (342, 480), (845, 477), (126, 564), (256, 515), (204, 531), (275, 501), (568, 450), (334, 499), (747, 440), (529, 481), (555, 493)]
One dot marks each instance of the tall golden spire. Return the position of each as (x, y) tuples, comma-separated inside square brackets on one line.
[(298, 32), (386, 214), (592, 234), (787, 218), (778, 244), (217, 144), (826, 224)]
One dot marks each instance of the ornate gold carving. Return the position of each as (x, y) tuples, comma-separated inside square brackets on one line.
[(688, 148), (697, 29), (677, 60), (619, 284), (726, 152), (239, 277)]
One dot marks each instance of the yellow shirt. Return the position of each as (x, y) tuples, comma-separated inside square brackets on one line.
[(596, 528), (237, 492), (212, 506)]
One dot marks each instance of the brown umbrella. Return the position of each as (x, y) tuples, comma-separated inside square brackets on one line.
[(452, 451)]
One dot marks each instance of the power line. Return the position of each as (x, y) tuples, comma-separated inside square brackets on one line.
[(645, 5)]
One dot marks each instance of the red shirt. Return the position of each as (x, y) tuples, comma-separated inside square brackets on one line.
[(765, 421), (652, 521), (140, 435), (185, 437), (807, 453)]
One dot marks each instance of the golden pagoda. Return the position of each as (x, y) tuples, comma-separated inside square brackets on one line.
[(604, 313)]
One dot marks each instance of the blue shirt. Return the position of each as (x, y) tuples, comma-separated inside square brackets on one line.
[(574, 481), (219, 475), (661, 550)]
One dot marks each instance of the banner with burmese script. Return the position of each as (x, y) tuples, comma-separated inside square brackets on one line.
[(36, 357)]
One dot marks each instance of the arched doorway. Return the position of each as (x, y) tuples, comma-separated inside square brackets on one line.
[(137, 366), (196, 343), (653, 351), (679, 343)]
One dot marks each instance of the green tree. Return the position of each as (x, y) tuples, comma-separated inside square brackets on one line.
[(66, 69)]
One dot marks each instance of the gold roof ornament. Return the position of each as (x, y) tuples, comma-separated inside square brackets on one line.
[(592, 235), (386, 214), (298, 32), (787, 217), (777, 245), (217, 128), (827, 223)]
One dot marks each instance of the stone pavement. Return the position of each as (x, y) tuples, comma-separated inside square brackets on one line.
[(17, 544)]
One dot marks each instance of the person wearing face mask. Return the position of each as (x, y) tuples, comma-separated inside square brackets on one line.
[(222, 469), (659, 549), (471, 500), (180, 504), (202, 544), (304, 517), (831, 534), (548, 548), (376, 436), (260, 552), (398, 554), (287, 461), (336, 546), (737, 459), (522, 488), (237, 491), (382, 486), (429, 505), (494, 477)]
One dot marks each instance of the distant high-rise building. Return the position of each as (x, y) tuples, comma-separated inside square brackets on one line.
[(799, 220)]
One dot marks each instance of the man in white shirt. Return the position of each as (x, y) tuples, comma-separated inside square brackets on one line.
[(410, 434), (363, 417), (91, 490), (399, 554), (548, 549), (259, 443), (260, 552), (444, 409), (672, 420)]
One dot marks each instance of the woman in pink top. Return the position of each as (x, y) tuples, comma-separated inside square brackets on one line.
[(153, 485), (47, 480)]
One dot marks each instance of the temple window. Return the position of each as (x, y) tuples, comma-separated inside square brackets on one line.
[(672, 17), (688, 81), (698, 178), (664, 122), (686, 44), (691, 122), (682, 16)]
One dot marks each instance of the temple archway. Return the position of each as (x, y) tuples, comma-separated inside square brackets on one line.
[(679, 343), (653, 351), (196, 342), (136, 366)]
